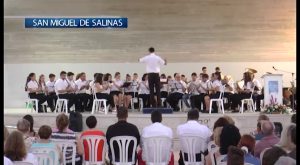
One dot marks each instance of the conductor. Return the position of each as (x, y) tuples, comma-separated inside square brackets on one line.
[(153, 63)]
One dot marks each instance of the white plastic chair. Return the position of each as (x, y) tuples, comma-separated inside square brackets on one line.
[(44, 155), (157, 150), (61, 105), (93, 142), (65, 147), (249, 102), (21, 163), (192, 145), (34, 102), (123, 145), (180, 105), (97, 103), (262, 154), (218, 100)]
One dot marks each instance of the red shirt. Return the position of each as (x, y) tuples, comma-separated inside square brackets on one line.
[(100, 146)]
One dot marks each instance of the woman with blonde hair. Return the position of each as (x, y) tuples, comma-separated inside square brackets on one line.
[(285, 140), (15, 149)]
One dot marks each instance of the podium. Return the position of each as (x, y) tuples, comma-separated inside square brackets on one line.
[(272, 89)]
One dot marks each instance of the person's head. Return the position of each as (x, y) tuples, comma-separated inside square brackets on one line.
[(95, 75), (6, 134), (247, 141), (156, 116), (271, 155), (193, 114), (262, 117), (117, 75), (128, 77), (267, 127), (135, 76), (204, 69), (23, 126), (62, 122), (91, 122), (31, 77), (286, 93), (293, 118), (163, 76), (205, 77), (230, 136), (45, 132), (151, 50), (145, 77), (30, 119), (51, 77), (106, 77), (42, 79), (220, 122), (14, 148), (212, 77), (194, 76), (177, 76), (229, 119), (70, 75), (278, 129), (216, 135), (286, 137), (63, 75), (82, 76), (99, 78), (122, 113), (235, 156), (169, 78), (217, 69), (183, 77), (217, 76)]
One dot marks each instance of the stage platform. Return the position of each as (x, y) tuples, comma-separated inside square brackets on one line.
[(245, 122)]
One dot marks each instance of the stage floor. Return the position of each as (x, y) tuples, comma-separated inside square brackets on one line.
[(245, 122)]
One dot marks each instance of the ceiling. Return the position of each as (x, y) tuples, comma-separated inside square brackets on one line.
[(180, 30)]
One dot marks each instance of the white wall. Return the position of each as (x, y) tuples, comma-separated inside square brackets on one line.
[(15, 74)]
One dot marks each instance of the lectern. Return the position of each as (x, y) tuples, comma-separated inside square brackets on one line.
[(272, 89)]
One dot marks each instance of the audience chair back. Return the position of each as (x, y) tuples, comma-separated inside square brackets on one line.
[(93, 142), (218, 100), (157, 150), (123, 143), (66, 147), (22, 163), (44, 155), (192, 145)]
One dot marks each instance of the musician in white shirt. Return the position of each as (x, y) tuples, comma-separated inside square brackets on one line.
[(84, 99), (203, 92), (178, 88), (128, 91), (35, 91), (64, 89), (193, 127), (215, 90), (44, 90), (51, 95), (228, 91), (116, 89), (144, 92), (156, 129), (192, 88), (135, 84)]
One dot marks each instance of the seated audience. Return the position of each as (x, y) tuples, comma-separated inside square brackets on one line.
[(24, 127), (229, 119), (156, 129), (247, 144), (286, 142), (121, 128), (262, 117), (30, 119), (15, 149), (178, 88), (258, 133), (271, 155), (216, 140), (292, 154), (269, 139), (235, 156), (285, 160), (293, 118), (91, 123), (144, 91), (193, 127), (278, 129), (44, 142), (62, 133)]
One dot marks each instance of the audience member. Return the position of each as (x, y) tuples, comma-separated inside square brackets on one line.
[(268, 140), (285, 160), (262, 117), (91, 123), (6, 134), (156, 129), (278, 129), (220, 122), (216, 139), (286, 139), (15, 149), (62, 133), (24, 127), (258, 133), (30, 119), (193, 127), (229, 119), (122, 128), (235, 156), (292, 154), (293, 118), (247, 144), (271, 155), (44, 134)]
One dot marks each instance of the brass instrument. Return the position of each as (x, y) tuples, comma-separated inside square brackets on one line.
[(251, 70)]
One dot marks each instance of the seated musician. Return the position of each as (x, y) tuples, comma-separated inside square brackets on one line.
[(128, 91), (257, 95), (144, 91), (84, 99), (116, 89), (51, 95), (135, 84), (178, 88), (203, 92), (192, 89), (44, 90), (228, 91), (215, 90)]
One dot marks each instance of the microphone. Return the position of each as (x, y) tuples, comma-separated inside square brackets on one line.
[(274, 68)]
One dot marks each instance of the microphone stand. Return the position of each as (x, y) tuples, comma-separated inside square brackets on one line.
[(293, 86)]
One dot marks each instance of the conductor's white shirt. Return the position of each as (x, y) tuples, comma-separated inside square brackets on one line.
[(153, 63)]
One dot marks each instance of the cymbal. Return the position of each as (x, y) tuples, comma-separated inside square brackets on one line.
[(251, 70)]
